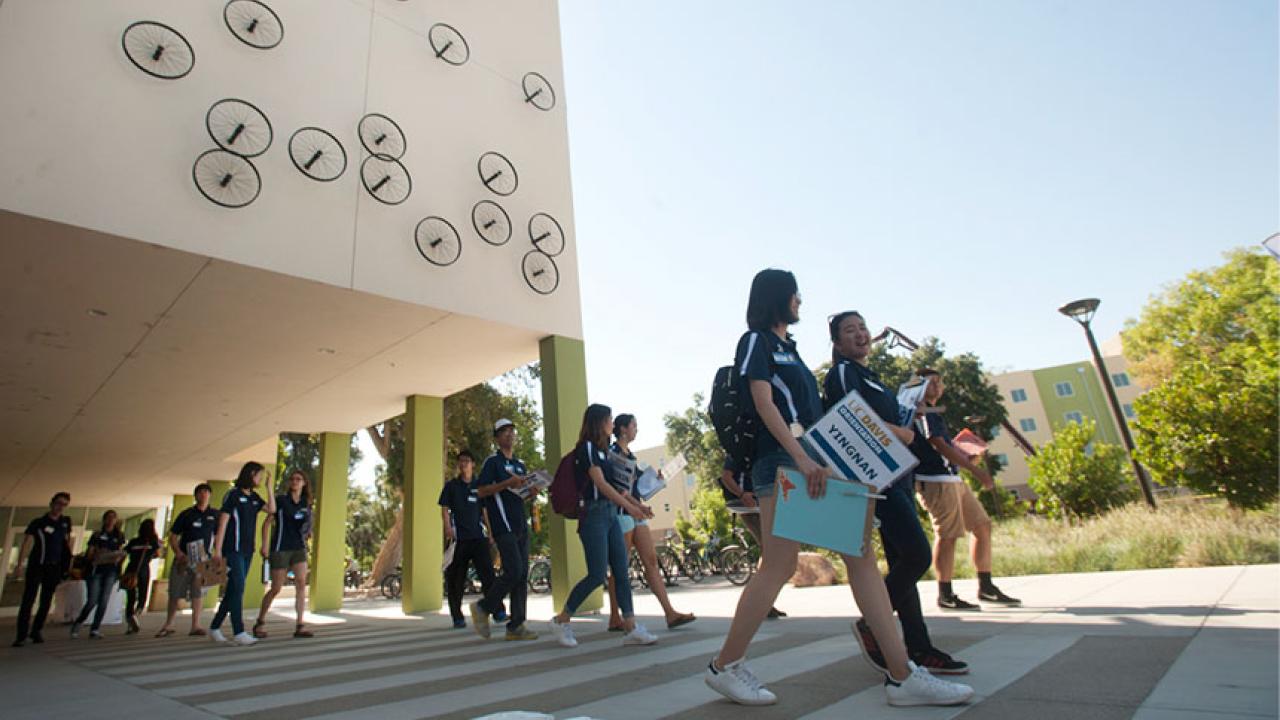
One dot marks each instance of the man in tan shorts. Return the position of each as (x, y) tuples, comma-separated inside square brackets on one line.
[(954, 508)]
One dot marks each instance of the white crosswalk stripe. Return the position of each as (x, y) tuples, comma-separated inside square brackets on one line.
[(159, 650), (520, 686), (686, 693)]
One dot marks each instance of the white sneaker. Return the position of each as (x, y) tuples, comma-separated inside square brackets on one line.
[(95, 635), (738, 684), (244, 638), (563, 634), (921, 688), (217, 636), (639, 636)]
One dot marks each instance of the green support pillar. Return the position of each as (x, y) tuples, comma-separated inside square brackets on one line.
[(180, 503), (329, 523), (564, 399), (423, 479)]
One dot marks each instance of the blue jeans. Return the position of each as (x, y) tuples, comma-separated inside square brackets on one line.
[(233, 600), (98, 586), (601, 536), (907, 550)]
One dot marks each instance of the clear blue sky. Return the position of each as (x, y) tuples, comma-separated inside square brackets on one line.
[(952, 169)]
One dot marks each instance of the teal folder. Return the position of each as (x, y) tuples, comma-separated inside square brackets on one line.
[(841, 520)]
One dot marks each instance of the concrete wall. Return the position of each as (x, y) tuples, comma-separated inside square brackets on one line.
[(91, 141), (675, 498)]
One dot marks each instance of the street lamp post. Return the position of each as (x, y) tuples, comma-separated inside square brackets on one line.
[(1082, 312)]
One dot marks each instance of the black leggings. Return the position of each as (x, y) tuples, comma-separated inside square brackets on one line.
[(136, 599)]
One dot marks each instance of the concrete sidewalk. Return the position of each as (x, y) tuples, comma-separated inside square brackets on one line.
[(1147, 644)]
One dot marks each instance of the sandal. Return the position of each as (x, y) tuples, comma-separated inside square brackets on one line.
[(259, 630), (681, 619), (301, 632), (198, 632), (165, 632)]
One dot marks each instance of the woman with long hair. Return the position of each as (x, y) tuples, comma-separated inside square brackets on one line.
[(104, 555), (234, 544), (635, 533), (136, 580), (290, 528), (784, 394), (602, 501)]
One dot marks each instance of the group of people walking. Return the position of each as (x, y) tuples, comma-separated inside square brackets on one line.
[(220, 538)]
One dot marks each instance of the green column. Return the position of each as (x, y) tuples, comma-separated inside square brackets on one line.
[(564, 399), (423, 478), (180, 503), (329, 523)]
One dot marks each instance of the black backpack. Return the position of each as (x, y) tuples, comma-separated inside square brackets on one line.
[(733, 417)]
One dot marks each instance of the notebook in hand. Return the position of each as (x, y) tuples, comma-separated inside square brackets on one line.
[(841, 520)]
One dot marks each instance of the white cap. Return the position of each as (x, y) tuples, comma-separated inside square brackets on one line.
[(501, 424)]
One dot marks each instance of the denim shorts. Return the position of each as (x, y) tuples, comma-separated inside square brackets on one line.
[(764, 470)]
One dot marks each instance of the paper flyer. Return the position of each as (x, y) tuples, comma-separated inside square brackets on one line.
[(674, 465), (649, 484), (538, 480)]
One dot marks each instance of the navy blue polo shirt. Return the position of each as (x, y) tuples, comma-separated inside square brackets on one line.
[(292, 524), (765, 356), (846, 376), (931, 425), (195, 525), (140, 551), (464, 507), (49, 539), (586, 456), (506, 509), (243, 511)]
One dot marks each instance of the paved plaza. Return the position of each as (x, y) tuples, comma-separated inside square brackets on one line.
[(1175, 644)]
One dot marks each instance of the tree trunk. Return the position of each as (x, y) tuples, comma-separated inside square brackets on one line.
[(392, 552)]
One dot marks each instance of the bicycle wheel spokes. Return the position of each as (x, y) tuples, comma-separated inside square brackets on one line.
[(239, 127), (226, 179), (317, 154), (253, 23), (158, 50)]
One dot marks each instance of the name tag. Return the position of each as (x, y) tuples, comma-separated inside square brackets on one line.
[(48, 530), (197, 524), (300, 515), (244, 499), (784, 358), (471, 498)]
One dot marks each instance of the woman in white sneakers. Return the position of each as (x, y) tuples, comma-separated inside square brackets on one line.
[(602, 503), (290, 528), (785, 396)]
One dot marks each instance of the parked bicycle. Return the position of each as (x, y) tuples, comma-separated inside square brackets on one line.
[(392, 584)]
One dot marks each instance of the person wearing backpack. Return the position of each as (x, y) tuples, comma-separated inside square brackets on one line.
[(784, 396), (906, 549), (500, 477), (603, 499)]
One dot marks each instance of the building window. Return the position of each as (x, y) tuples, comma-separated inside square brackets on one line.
[(995, 431), (1064, 389), (1027, 424), (689, 481), (1120, 379), (1019, 395), (1003, 460), (666, 507), (1074, 417), (1129, 412)]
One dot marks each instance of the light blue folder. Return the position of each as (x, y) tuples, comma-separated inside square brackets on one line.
[(840, 520)]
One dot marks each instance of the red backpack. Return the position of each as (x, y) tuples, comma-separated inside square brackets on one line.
[(565, 497)]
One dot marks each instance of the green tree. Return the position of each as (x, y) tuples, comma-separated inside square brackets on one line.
[(1208, 345), (1228, 314), (708, 517), (1076, 477), (690, 433)]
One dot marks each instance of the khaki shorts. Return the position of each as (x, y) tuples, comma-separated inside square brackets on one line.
[(285, 559), (954, 508), (183, 584)]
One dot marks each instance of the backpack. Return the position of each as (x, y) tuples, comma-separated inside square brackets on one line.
[(565, 495), (733, 418)]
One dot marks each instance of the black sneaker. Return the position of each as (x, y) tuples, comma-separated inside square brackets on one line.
[(940, 663), (18, 643), (953, 602), (37, 638), (870, 648), (994, 595), (775, 613)]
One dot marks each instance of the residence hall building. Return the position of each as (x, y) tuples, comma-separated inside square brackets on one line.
[(181, 283), (1041, 401)]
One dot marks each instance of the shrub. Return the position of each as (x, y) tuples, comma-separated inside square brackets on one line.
[(1073, 481)]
